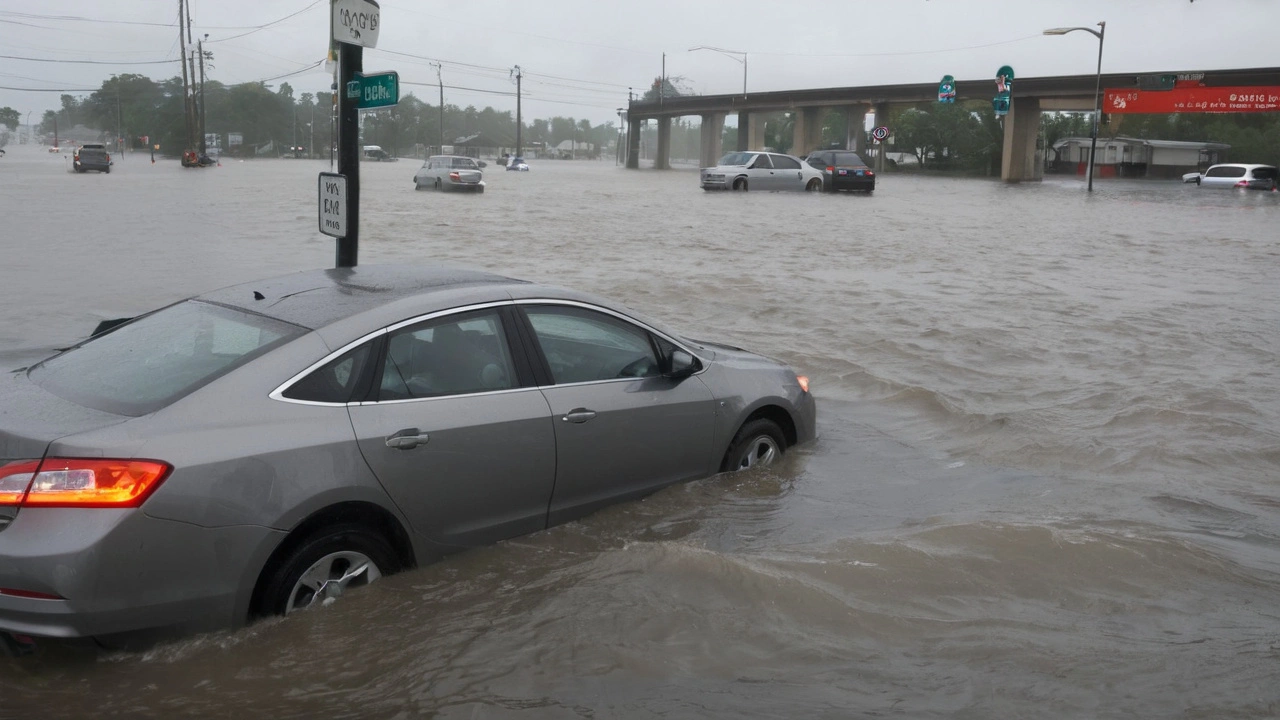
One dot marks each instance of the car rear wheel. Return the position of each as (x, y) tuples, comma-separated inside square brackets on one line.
[(325, 565), (758, 444), (814, 185), (740, 184)]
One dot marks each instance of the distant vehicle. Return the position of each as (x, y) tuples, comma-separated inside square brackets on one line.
[(373, 152), (228, 457), (755, 170), (91, 156), (1235, 175), (517, 163), (449, 172), (842, 170)]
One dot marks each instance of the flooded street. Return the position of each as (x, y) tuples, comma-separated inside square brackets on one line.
[(1047, 482)]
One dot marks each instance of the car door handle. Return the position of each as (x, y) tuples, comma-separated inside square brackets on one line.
[(407, 439), (579, 415)]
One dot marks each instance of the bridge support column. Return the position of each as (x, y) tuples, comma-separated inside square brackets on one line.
[(1021, 129), (881, 111), (712, 139), (750, 131), (855, 129), (662, 159), (806, 131), (634, 126)]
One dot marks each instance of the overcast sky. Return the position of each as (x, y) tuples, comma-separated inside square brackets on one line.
[(580, 56)]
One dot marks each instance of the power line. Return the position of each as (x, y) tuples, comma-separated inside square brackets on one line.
[(264, 26), (92, 62)]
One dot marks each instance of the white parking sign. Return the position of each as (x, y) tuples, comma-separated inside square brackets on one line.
[(333, 204)]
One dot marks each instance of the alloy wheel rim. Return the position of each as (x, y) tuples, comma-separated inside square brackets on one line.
[(762, 451), (330, 576)]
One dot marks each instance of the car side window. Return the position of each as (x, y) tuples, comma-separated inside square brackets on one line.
[(1225, 171), (452, 355), (583, 345), (335, 381), (762, 163), (782, 162)]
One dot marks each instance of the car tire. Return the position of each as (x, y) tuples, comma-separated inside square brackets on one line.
[(353, 553), (759, 443), (740, 184), (814, 185), (417, 185), (438, 185)]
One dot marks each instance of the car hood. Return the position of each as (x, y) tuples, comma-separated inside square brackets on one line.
[(31, 418), (731, 356)]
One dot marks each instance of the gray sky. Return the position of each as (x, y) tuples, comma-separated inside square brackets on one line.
[(580, 56)]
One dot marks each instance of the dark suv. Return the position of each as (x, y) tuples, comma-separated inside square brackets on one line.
[(91, 156), (842, 170)]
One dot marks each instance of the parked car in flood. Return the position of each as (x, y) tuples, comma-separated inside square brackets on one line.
[(91, 156), (753, 170), (450, 172), (1235, 175), (517, 163), (842, 170), (263, 448)]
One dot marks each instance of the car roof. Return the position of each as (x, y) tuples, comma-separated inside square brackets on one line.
[(1246, 166), (317, 298)]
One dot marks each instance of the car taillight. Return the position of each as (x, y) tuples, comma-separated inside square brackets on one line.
[(830, 169), (108, 157), (15, 592), (94, 482), (1243, 184), (871, 173), (454, 176), (15, 476)]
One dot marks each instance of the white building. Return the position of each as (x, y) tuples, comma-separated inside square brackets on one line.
[(1134, 157)]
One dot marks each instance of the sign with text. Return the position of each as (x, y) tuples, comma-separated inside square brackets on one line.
[(333, 204), (378, 90), (356, 22), (1194, 100)]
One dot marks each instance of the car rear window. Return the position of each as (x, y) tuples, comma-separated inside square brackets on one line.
[(1226, 171), (848, 159), (1264, 173), (153, 361)]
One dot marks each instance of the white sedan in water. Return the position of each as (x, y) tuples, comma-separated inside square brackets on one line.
[(1235, 175), (449, 172), (754, 170)]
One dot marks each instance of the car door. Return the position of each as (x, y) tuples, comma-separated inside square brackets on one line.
[(760, 174), (622, 428), (786, 173), (1222, 176), (457, 431)]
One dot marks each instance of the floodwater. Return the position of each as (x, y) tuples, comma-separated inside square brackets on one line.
[(1047, 483)]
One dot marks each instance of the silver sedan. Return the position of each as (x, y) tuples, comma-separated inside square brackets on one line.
[(263, 448), (449, 172), (754, 170)]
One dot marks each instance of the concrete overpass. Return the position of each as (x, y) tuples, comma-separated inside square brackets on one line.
[(1031, 96)]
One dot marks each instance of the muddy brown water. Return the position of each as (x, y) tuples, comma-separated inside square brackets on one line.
[(1047, 482)]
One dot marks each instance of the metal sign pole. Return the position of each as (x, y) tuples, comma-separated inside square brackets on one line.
[(350, 63)]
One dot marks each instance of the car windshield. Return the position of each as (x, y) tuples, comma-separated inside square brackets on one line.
[(737, 158), (153, 361)]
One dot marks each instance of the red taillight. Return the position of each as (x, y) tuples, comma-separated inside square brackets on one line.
[(455, 176), (830, 169), (14, 592), (15, 476), (870, 173), (1243, 184), (108, 157), (94, 482)]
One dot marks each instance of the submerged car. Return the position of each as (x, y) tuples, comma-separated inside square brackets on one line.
[(517, 163), (761, 171), (263, 448), (449, 172), (91, 156), (1235, 175), (842, 170)]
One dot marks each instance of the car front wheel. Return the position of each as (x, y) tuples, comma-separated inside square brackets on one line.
[(758, 444), (740, 184), (325, 565)]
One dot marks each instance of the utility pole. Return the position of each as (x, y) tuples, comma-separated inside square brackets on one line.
[(186, 97), (519, 121), (203, 146), (350, 62), (440, 80), (119, 131)]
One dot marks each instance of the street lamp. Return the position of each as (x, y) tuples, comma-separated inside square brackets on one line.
[(730, 53), (1097, 89)]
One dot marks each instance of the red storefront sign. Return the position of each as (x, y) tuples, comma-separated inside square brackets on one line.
[(1193, 100)]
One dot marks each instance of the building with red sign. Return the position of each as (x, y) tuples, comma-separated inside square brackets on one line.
[(1134, 157)]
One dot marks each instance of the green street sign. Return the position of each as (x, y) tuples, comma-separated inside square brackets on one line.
[(378, 90)]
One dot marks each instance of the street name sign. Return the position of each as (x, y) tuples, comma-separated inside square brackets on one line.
[(333, 204), (356, 22), (378, 90)]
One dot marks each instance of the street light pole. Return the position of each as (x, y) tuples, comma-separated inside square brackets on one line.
[(1097, 88), (731, 54)]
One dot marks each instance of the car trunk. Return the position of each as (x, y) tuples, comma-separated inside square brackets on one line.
[(467, 177), (31, 419)]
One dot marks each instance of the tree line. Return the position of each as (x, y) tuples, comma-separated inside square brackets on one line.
[(137, 106)]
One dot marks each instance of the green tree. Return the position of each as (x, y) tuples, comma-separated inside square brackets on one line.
[(10, 118)]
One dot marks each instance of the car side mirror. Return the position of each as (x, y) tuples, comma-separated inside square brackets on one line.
[(682, 365)]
